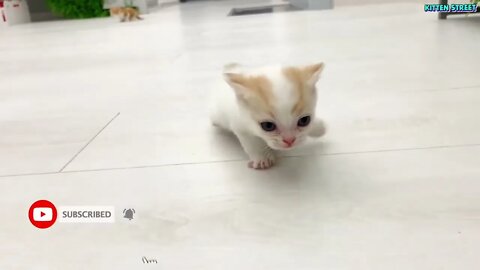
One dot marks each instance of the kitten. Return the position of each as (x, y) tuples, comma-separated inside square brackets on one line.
[(269, 109), (125, 13)]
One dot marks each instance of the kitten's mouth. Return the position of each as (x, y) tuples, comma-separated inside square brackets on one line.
[(283, 147)]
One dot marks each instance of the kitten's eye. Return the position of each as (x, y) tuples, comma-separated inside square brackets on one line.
[(268, 126), (304, 121)]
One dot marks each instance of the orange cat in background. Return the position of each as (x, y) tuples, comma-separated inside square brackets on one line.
[(125, 13)]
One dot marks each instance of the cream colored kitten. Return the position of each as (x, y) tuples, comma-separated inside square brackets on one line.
[(271, 108), (126, 13)]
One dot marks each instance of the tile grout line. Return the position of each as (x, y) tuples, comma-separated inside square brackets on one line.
[(396, 150), (465, 87), (29, 174), (238, 160), (283, 157), (88, 143)]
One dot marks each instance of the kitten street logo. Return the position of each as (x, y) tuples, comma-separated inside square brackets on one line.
[(451, 8), (43, 214)]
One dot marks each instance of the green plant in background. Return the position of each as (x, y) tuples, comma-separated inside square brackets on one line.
[(78, 9), (476, 2)]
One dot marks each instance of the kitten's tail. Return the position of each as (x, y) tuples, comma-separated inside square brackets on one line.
[(318, 128)]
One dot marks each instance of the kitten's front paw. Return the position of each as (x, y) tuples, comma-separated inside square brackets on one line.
[(318, 128), (262, 163)]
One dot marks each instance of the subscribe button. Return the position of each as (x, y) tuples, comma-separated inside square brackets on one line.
[(43, 214), (87, 214)]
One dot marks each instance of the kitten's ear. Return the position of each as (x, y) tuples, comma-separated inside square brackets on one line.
[(312, 72), (238, 82), (230, 67)]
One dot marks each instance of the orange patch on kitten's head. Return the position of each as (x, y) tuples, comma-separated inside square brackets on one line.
[(253, 90), (256, 90), (303, 79)]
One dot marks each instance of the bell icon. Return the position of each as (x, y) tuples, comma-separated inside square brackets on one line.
[(128, 213)]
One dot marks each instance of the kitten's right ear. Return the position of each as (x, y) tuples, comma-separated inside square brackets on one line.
[(231, 66), (239, 83)]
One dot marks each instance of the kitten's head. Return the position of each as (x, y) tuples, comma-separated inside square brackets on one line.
[(115, 11), (278, 103)]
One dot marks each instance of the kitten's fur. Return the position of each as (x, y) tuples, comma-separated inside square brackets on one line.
[(126, 13), (281, 95)]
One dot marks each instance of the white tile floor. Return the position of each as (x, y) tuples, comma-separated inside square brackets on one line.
[(395, 184)]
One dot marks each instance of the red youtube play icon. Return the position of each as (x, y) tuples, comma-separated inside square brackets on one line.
[(42, 214)]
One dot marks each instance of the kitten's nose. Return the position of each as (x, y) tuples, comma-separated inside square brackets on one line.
[(289, 141)]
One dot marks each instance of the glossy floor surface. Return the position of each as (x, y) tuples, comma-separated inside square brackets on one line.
[(97, 112)]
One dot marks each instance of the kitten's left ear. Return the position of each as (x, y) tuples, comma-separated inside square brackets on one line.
[(312, 72)]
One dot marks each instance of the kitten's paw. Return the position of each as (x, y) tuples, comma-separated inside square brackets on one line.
[(264, 162), (219, 126), (216, 121), (261, 164), (318, 128)]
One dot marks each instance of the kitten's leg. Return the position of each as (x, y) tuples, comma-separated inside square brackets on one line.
[(261, 156), (318, 128), (123, 18), (218, 120)]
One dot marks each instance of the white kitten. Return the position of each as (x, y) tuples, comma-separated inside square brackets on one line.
[(271, 108)]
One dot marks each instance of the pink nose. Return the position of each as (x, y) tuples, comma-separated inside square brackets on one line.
[(289, 141)]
